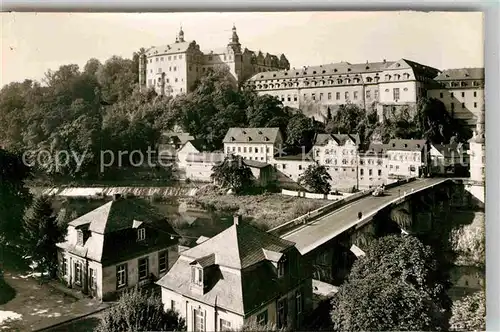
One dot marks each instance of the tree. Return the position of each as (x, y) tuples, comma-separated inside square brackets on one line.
[(469, 313), (233, 173), (396, 282), (300, 130), (138, 310), (41, 233), (253, 325), (14, 195), (117, 77), (316, 178)]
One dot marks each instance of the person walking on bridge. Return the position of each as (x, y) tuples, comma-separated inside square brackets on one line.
[(360, 215)]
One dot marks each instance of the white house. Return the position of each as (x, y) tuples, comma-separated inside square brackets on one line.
[(406, 157), (238, 275), (94, 259), (259, 144)]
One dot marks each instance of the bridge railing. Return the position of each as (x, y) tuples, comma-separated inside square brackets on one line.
[(312, 215)]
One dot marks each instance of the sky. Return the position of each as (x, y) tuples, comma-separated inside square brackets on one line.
[(32, 43)]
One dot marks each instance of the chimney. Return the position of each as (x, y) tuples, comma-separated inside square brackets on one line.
[(116, 197), (237, 219)]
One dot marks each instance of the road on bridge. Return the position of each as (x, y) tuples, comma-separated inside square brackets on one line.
[(311, 235)]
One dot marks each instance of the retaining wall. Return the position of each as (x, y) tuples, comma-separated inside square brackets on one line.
[(110, 191)]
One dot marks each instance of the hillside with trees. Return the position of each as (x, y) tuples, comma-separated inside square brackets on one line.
[(99, 108)]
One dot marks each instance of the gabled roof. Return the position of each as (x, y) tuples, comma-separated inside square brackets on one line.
[(461, 74), (242, 285), (239, 246), (117, 215), (406, 145), (177, 138), (255, 163), (417, 68), (322, 139), (252, 135)]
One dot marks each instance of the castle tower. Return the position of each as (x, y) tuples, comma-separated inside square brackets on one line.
[(181, 36), (234, 42)]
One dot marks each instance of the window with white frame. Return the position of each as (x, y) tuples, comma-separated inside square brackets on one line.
[(298, 303), (281, 268), (163, 261), (121, 275), (141, 234), (197, 275), (225, 325), (199, 320), (64, 266), (262, 318), (143, 268), (78, 273)]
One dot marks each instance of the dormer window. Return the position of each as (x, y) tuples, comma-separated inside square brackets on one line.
[(79, 239), (141, 234), (197, 275)]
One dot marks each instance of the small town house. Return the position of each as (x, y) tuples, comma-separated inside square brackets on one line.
[(122, 243), (240, 274)]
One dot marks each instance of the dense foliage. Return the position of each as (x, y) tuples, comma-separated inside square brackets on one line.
[(138, 310), (396, 286), (14, 195), (41, 233), (99, 108), (316, 178), (469, 313), (232, 173)]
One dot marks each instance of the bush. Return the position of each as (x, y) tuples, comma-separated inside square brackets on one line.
[(138, 311)]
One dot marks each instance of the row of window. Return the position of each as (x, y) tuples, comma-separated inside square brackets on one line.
[(143, 269), (370, 172), (169, 58), (415, 157), (345, 152), (245, 149), (452, 94), (452, 105), (355, 80)]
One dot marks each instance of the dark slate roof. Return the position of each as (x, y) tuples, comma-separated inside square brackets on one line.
[(255, 163), (206, 261), (419, 69), (239, 246), (247, 283), (117, 215), (460, 74), (322, 139), (406, 144), (251, 135), (176, 138), (339, 68), (377, 149), (199, 144)]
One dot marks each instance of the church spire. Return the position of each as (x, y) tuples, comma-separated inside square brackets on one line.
[(181, 35), (235, 40)]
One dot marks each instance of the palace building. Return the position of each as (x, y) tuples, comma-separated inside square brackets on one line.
[(384, 86), (173, 69), (462, 92)]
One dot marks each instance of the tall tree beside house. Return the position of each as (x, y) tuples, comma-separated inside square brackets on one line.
[(469, 313), (232, 173), (300, 130), (14, 195), (396, 286), (138, 310), (41, 233), (316, 178)]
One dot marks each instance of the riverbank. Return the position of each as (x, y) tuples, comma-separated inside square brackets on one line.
[(264, 211)]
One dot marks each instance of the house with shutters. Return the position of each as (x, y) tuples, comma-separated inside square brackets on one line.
[(241, 274), (122, 243)]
